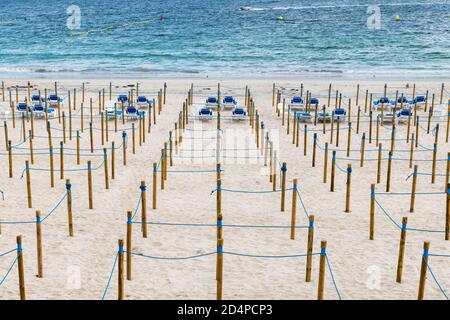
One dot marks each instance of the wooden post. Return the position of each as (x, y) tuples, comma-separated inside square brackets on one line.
[(69, 206), (358, 119), (102, 128), (64, 126), (332, 128), (365, 101), (82, 118), (133, 138), (389, 170), (105, 165), (165, 161), (372, 212), (31, 147), (314, 150), (305, 140), (113, 160), (61, 160), (140, 130), (380, 148), (70, 125), (39, 244), (448, 122), (333, 170), (219, 197), (284, 111), (143, 188), (294, 209), (370, 126), (401, 251), (294, 126), (322, 266), (121, 294), (27, 171), (447, 214), (442, 94), (155, 170), (363, 144), (283, 185), (325, 163), (349, 180), (10, 161), (423, 270), (433, 165), (52, 175), (349, 137), (20, 268), (357, 93), (220, 269), (91, 137), (78, 147), (329, 95), (124, 148), (89, 169), (338, 130), (5, 125), (417, 132), (129, 239), (447, 171), (309, 249)]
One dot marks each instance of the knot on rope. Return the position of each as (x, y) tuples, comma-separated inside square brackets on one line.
[(143, 188), (68, 186)]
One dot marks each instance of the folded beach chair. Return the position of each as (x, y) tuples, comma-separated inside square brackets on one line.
[(22, 108), (238, 114), (35, 99), (110, 108), (142, 102), (205, 114), (212, 102), (313, 101), (419, 101), (38, 111), (383, 102), (340, 114), (53, 100), (132, 113), (387, 117), (122, 99), (404, 115), (297, 104), (228, 102), (304, 117), (321, 117)]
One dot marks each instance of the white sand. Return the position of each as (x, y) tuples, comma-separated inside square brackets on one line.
[(78, 267)]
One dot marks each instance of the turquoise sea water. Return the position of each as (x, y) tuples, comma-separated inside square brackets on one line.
[(243, 38)]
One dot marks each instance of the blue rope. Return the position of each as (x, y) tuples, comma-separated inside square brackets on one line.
[(110, 276), (9, 270), (223, 225), (332, 277), (54, 208), (173, 258), (435, 280), (303, 205), (270, 257), (7, 252), (246, 191)]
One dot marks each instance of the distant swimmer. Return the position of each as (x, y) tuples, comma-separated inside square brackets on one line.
[(245, 8), (280, 18), (161, 18)]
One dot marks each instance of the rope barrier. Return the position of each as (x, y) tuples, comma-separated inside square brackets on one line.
[(9, 270)]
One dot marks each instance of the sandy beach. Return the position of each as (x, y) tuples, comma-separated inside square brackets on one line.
[(79, 267)]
